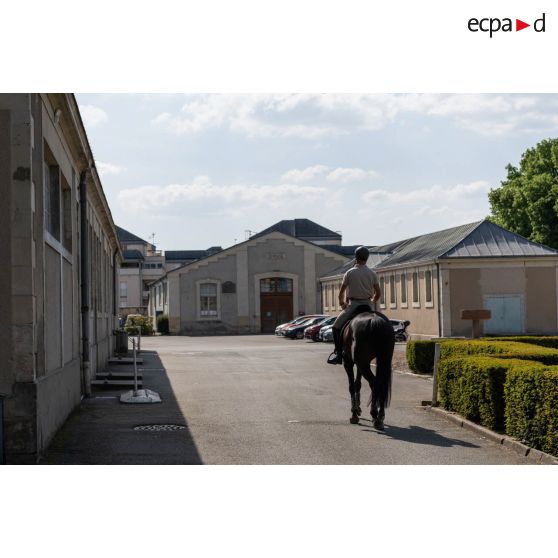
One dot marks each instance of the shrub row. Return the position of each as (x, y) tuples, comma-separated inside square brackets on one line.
[(163, 324), (551, 341), (520, 396), (420, 354), (137, 320), (473, 386), (532, 407)]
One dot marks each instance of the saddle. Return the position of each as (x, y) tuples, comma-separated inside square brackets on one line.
[(363, 308)]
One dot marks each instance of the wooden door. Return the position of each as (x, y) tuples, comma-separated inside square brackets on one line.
[(276, 303)]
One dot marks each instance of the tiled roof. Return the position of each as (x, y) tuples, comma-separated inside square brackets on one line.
[(426, 247), (127, 236), (482, 239), (301, 228), (132, 255), (490, 240), (190, 255), (373, 261)]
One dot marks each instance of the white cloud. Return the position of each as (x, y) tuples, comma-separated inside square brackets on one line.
[(92, 116), (325, 115), (350, 175), (105, 169), (340, 174), (435, 194), (304, 175), (176, 197)]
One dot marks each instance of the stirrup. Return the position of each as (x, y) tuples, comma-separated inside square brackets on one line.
[(334, 358)]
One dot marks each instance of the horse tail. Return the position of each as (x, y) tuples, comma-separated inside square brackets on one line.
[(384, 345)]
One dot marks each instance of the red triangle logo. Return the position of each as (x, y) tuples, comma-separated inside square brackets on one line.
[(519, 25)]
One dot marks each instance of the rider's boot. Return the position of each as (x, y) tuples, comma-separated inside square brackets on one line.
[(337, 356)]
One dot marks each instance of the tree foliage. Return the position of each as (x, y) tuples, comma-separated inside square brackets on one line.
[(527, 201)]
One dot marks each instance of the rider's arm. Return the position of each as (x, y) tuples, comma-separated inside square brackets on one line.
[(342, 290), (377, 292)]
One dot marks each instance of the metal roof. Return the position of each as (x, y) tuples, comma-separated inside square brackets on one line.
[(482, 239), (426, 247), (127, 236), (132, 255), (373, 261), (190, 255), (490, 240), (301, 228)]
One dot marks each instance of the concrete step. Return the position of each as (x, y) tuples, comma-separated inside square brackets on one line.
[(125, 360), (111, 375), (110, 383)]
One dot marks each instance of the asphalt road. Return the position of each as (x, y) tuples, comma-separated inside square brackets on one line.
[(263, 400)]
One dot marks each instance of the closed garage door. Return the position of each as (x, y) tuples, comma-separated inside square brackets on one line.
[(507, 314)]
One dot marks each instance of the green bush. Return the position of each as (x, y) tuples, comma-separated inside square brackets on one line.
[(501, 349), (542, 341), (473, 386), (420, 356), (163, 324), (137, 320), (531, 396)]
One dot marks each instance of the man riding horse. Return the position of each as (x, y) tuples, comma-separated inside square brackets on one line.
[(361, 287)]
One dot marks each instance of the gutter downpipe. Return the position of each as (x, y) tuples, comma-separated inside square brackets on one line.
[(84, 261), (439, 300)]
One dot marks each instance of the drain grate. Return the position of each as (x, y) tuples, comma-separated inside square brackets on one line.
[(159, 427)]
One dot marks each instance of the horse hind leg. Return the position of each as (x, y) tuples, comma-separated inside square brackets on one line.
[(355, 397)]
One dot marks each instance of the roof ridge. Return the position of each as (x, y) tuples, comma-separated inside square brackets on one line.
[(469, 233)]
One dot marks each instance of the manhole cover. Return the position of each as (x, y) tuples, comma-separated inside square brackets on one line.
[(160, 427)]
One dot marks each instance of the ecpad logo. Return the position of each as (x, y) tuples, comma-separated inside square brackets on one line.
[(493, 25)]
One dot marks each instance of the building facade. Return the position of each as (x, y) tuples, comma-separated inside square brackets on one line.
[(430, 279), (250, 287), (143, 264), (60, 257)]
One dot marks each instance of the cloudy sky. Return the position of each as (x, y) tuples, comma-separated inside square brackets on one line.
[(201, 170)]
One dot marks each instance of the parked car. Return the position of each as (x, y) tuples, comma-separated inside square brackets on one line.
[(326, 334), (279, 329), (312, 332), (296, 331)]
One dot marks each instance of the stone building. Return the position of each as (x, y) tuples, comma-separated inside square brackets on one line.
[(429, 279), (143, 264), (60, 256), (251, 286)]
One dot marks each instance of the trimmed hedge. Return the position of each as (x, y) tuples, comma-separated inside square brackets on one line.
[(137, 320), (420, 356), (473, 386), (531, 412), (550, 342), (163, 324), (501, 349)]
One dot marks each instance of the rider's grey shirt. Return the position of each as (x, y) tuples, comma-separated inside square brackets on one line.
[(360, 281)]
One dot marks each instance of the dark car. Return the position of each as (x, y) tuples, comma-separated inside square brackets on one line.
[(279, 329), (313, 331), (297, 331)]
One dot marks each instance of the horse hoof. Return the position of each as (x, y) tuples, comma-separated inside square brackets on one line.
[(354, 419), (378, 424)]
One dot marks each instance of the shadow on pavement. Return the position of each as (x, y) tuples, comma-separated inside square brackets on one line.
[(419, 435), (101, 429)]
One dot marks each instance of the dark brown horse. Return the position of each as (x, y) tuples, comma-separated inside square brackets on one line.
[(369, 336)]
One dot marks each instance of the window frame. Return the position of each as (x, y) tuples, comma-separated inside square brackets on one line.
[(416, 303), (208, 317), (382, 300), (429, 285), (403, 287), (392, 291)]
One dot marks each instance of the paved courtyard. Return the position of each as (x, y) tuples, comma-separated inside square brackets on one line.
[(262, 400)]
